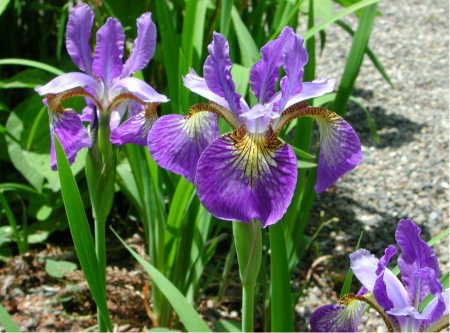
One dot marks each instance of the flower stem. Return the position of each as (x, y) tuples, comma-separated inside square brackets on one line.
[(248, 307), (247, 239)]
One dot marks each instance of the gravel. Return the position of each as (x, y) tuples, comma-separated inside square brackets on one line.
[(405, 175)]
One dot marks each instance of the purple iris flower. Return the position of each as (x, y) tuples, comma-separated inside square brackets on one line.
[(397, 300), (105, 82), (250, 173)]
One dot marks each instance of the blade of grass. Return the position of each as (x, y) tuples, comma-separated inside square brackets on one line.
[(282, 314), (198, 262), (3, 5), (22, 243), (225, 16), (375, 61), (169, 43), (340, 14), (188, 316), (247, 45), (354, 59), (289, 12), (31, 63), (80, 231), (5, 319)]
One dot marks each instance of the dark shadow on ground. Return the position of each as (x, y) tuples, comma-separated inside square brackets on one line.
[(335, 204), (394, 129)]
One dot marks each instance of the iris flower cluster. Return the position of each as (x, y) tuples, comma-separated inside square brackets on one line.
[(250, 165), (105, 82), (397, 300), (250, 173)]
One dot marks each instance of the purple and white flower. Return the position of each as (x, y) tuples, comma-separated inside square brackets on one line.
[(249, 173), (398, 300), (105, 82)]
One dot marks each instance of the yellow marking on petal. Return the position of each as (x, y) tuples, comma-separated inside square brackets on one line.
[(254, 153), (195, 123)]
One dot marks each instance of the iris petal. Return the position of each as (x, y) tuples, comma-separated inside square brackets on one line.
[(217, 72), (66, 82), (134, 130), (140, 89), (107, 63), (336, 318), (294, 60), (78, 34), (144, 45), (340, 150), (316, 88), (264, 74), (243, 177), (71, 134), (416, 254), (176, 141)]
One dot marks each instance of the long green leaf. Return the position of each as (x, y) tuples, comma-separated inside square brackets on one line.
[(170, 51), (340, 14), (247, 45), (7, 322), (31, 63), (375, 61), (282, 312), (225, 16), (188, 316), (80, 231), (3, 5), (354, 59)]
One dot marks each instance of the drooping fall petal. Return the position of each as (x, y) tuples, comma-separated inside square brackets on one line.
[(176, 141), (71, 134), (244, 178)]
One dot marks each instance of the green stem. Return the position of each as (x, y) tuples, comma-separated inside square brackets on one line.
[(282, 315), (248, 307), (100, 174), (248, 242), (21, 241)]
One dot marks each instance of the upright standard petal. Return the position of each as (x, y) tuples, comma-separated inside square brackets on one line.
[(78, 34), (416, 254), (107, 63), (217, 72), (242, 177), (294, 60), (176, 141), (140, 89), (144, 45), (66, 82), (264, 74), (71, 134)]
